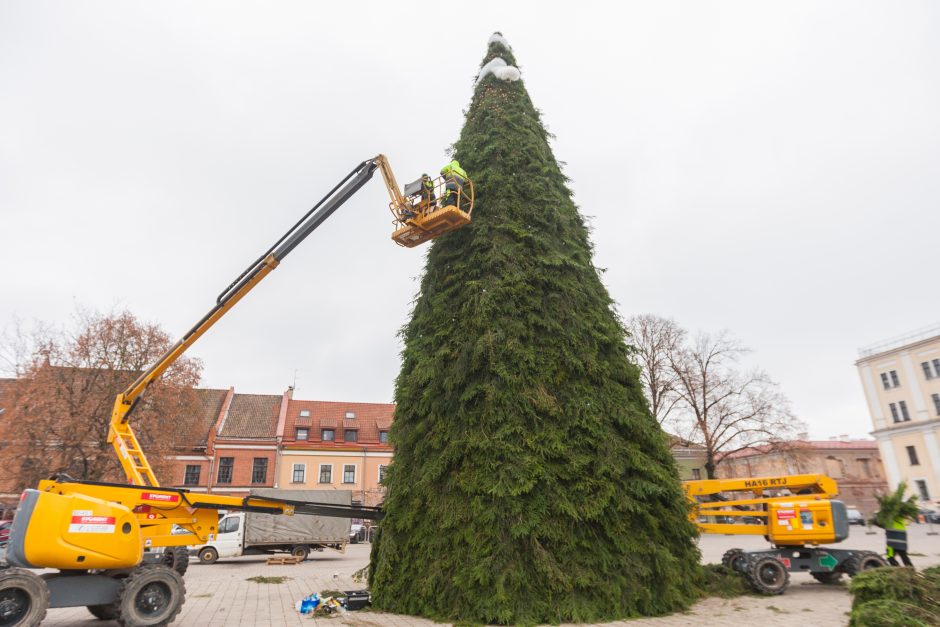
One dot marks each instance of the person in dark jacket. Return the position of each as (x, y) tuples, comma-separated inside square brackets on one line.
[(896, 538)]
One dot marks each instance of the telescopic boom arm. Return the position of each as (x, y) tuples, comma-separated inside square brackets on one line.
[(120, 434)]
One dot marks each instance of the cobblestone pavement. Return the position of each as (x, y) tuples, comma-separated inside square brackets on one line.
[(220, 595)]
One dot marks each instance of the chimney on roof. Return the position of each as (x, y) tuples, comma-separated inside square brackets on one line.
[(290, 392)]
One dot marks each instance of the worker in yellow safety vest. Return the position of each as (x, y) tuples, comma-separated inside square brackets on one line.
[(428, 185), (896, 539), (454, 180)]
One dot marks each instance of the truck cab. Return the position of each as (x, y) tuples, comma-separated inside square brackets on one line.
[(231, 537)]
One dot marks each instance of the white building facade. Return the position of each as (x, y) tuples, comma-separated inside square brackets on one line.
[(901, 379)]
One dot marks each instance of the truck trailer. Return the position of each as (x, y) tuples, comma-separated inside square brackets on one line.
[(252, 533)]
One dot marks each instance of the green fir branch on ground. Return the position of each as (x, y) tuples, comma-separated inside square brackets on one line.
[(530, 482), (263, 579), (721, 581), (895, 597)]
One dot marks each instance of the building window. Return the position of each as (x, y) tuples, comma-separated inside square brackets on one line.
[(922, 489), (349, 473), (259, 470), (936, 367), (299, 471), (351, 415), (928, 371), (303, 433), (890, 379), (327, 435), (351, 435), (835, 467), (382, 468), (936, 402), (903, 407), (866, 467), (696, 473), (383, 435), (191, 476), (894, 412), (326, 473), (912, 456), (226, 465), (304, 413)]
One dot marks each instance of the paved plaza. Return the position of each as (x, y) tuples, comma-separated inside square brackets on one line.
[(220, 595)]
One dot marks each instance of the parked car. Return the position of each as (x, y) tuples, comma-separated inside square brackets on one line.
[(5, 532), (930, 516), (855, 517), (357, 533)]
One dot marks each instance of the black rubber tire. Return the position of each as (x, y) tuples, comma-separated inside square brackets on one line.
[(151, 596), (177, 558), (767, 575), (208, 555), (862, 561), (24, 598), (109, 611), (300, 551), (104, 612), (735, 559), (830, 577)]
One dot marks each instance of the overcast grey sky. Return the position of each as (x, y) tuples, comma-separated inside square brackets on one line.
[(766, 168)]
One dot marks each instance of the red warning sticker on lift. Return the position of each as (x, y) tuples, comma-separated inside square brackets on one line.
[(785, 514), (162, 498), (83, 521)]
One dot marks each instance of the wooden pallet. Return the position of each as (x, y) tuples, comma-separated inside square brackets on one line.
[(280, 560)]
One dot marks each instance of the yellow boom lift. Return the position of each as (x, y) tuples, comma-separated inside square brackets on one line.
[(96, 533), (795, 513)]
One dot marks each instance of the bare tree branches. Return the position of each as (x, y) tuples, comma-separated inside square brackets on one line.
[(655, 339), (66, 381), (704, 394)]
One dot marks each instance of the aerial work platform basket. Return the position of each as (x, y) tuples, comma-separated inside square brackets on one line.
[(424, 212)]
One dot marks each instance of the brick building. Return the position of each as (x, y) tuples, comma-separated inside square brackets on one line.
[(336, 445), (234, 443), (8, 498), (854, 464)]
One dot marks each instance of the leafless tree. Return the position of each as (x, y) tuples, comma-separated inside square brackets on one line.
[(725, 408), (58, 409), (656, 340)]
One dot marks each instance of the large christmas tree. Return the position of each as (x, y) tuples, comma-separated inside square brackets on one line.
[(530, 482)]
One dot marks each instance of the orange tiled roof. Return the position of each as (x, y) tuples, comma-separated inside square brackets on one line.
[(805, 444), (370, 419)]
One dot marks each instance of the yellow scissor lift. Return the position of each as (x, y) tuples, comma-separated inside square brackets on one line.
[(96, 533)]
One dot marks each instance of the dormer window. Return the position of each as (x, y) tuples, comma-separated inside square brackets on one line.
[(304, 413), (350, 415)]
